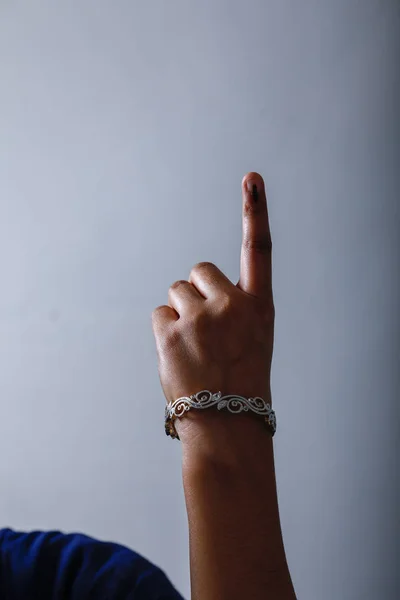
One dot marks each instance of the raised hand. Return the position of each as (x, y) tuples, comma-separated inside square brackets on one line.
[(213, 334), (218, 336)]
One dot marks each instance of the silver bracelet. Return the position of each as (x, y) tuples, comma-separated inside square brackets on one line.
[(206, 399)]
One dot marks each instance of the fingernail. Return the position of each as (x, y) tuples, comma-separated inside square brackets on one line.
[(252, 188)]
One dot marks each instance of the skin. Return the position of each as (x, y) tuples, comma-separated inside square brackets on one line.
[(214, 335)]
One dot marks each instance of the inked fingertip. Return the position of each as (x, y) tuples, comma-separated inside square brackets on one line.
[(252, 178)]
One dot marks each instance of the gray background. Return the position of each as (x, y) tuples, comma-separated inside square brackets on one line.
[(126, 129)]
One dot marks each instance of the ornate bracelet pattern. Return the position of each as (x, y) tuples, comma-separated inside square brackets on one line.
[(206, 399)]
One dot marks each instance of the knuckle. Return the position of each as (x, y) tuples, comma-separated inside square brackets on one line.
[(157, 311), (202, 266), (177, 283), (261, 245)]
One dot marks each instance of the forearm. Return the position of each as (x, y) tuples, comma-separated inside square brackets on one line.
[(236, 547)]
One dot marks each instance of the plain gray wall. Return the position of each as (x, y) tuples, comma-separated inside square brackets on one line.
[(125, 130)]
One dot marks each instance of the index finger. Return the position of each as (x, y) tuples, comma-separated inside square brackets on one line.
[(255, 257)]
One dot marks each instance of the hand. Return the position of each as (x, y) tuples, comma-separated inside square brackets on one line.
[(213, 334)]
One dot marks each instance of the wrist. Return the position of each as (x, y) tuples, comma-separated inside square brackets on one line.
[(238, 441), (231, 498), (228, 473)]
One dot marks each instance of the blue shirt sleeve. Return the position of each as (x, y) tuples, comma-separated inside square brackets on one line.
[(55, 566)]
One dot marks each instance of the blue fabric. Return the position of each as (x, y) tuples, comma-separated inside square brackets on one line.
[(55, 566)]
